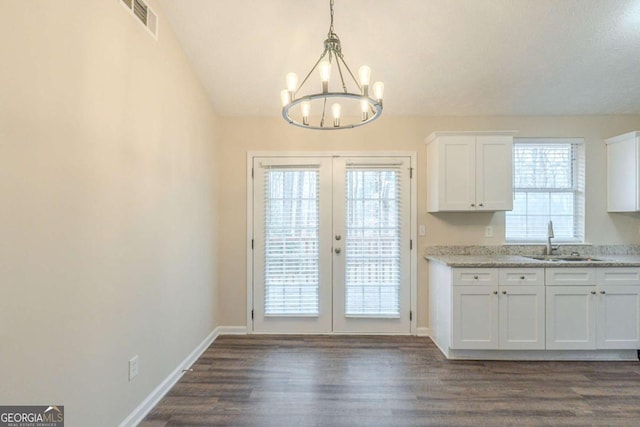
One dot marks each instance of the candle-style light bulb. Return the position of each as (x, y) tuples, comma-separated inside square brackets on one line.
[(292, 84), (365, 77), (378, 91), (285, 97), (306, 109), (325, 73), (335, 109), (364, 105)]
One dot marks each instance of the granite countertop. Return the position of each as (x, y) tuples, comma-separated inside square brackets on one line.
[(524, 261)]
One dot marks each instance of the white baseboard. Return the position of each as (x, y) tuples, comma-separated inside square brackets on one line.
[(232, 330), (158, 393), (422, 332), (544, 355)]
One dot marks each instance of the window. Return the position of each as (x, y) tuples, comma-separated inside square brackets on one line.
[(374, 229), (548, 185), (291, 242)]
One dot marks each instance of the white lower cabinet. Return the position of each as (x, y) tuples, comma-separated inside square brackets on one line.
[(475, 317), (522, 317), (593, 308), (570, 308), (571, 317), (618, 308), (496, 316)]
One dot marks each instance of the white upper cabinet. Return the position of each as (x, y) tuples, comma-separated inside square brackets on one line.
[(470, 171), (623, 176)]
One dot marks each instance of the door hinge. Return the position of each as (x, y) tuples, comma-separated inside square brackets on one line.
[(251, 173), (410, 173), (251, 314), (251, 244), (410, 244), (410, 315)]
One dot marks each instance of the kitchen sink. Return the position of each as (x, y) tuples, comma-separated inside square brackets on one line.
[(564, 259)]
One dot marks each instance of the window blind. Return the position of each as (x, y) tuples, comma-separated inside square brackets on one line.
[(373, 225), (291, 241), (548, 186)]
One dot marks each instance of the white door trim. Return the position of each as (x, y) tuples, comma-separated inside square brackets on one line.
[(413, 220)]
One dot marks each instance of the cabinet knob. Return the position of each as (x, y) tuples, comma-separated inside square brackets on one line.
[(593, 292), (473, 205), (504, 292), (481, 204), (602, 292), (337, 250), (495, 292), (521, 277), (475, 277)]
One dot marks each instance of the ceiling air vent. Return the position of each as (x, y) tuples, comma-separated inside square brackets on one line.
[(144, 13)]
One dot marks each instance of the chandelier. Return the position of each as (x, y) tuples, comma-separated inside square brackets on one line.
[(359, 107)]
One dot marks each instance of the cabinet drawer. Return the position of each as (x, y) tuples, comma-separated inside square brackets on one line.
[(570, 276), (470, 276), (618, 276), (522, 276)]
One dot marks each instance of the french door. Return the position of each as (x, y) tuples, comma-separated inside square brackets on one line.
[(331, 250)]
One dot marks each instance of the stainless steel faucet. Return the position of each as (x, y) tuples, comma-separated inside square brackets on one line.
[(550, 248)]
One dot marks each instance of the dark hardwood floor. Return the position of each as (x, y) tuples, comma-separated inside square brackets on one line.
[(259, 380)]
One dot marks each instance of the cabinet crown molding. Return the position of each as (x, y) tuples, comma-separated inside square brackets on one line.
[(437, 134), (623, 137)]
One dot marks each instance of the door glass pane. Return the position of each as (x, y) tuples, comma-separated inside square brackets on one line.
[(372, 269), (291, 242)]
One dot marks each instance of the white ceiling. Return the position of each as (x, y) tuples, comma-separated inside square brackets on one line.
[(436, 57)]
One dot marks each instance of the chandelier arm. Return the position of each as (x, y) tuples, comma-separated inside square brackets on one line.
[(352, 76), (344, 86), (324, 109), (311, 71)]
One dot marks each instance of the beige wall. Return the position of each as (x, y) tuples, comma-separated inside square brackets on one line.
[(108, 208), (391, 133)]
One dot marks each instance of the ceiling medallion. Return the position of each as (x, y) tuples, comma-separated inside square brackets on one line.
[(359, 107)]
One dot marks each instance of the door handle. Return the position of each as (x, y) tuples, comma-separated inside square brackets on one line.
[(337, 250)]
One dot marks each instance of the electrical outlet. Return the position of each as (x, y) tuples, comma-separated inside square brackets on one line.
[(133, 367), (421, 230), (488, 231)]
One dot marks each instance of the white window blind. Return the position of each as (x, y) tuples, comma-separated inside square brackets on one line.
[(291, 242), (373, 258), (548, 183)]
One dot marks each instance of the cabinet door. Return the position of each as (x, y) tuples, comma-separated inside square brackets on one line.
[(494, 173), (618, 311), (457, 173), (475, 317), (522, 317), (623, 179), (571, 317)]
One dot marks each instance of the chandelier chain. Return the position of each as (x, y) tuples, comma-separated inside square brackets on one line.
[(331, 26)]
